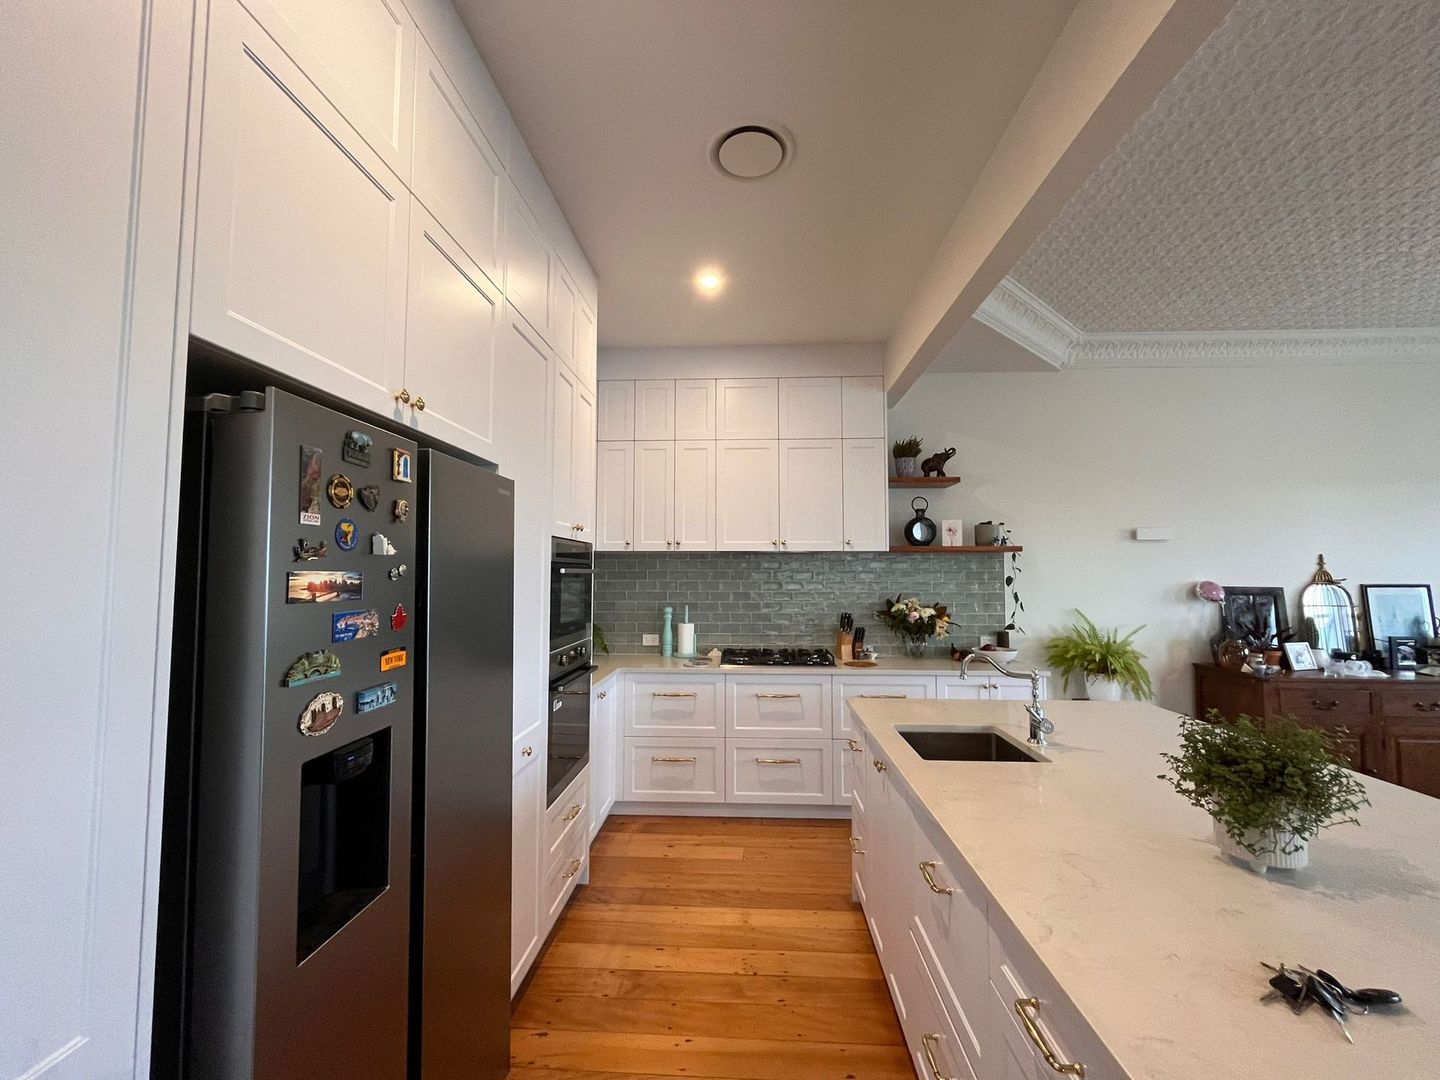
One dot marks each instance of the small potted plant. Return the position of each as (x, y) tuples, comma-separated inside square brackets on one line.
[(906, 452), (1108, 663), (1269, 788), (914, 623)]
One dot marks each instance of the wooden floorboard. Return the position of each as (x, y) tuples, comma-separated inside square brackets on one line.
[(725, 948)]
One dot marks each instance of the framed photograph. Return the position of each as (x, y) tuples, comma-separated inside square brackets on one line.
[(1403, 654), (1253, 615), (952, 532), (1404, 611), (1299, 656)]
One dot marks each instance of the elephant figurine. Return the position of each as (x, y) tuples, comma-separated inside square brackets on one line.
[(936, 462)]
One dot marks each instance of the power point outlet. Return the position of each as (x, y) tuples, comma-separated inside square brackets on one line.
[(649, 639)]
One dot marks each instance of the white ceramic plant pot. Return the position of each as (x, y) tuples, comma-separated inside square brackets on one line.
[(907, 466), (1273, 850), (1102, 689)]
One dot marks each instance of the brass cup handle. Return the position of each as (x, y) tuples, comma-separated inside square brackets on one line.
[(854, 746), (1024, 1007), (573, 812), (419, 404), (926, 1041), (573, 869), (879, 765), (778, 696), (1326, 706), (403, 396), (935, 886), (777, 761), (673, 760), (855, 845)]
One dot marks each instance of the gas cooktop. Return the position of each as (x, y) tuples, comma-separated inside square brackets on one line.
[(778, 657)]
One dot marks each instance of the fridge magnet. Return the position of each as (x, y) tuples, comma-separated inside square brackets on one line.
[(351, 625), (376, 697), (312, 465), (312, 667), (402, 509), (370, 496), (400, 465), (341, 491), (321, 586), (356, 448), (346, 534), (305, 551), (380, 544), (399, 618), (397, 572), (391, 659), (322, 712)]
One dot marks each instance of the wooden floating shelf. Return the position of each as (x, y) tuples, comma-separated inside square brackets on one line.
[(968, 549), (923, 481)]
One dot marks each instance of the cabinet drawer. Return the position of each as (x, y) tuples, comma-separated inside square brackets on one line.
[(1322, 702), (849, 755), (566, 815), (674, 705), (674, 770), (790, 707), (938, 1046), (845, 691), (1419, 701), (950, 923), (565, 873), (794, 771)]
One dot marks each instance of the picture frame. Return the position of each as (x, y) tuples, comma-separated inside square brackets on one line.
[(1405, 611), (1402, 654), (1299, 656), (1254, 615), (952, 532)]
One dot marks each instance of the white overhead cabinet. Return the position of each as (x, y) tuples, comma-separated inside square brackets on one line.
[(867, 525), (587, 343), (654, 496), (747, 495), (655, 409), (747, 409), (563, 299), (695, 495), (811, 495), (615, 496), (527, 263), (694, 408), (564, 395), (809, 408), (615, 401)]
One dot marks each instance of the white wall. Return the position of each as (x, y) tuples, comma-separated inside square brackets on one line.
[(1256, 471)]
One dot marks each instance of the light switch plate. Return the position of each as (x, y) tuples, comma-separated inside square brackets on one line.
[(649, 639)]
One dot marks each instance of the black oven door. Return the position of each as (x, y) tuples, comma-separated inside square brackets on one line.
[(572, 583), (569, 732)]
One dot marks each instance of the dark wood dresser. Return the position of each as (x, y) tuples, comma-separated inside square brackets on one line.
[(1390, 728)]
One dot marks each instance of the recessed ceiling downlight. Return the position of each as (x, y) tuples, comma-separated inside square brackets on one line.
[(751, 152)]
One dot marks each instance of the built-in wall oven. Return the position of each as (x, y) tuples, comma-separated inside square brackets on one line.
[(572, 582), (572, 586), (569, 743)]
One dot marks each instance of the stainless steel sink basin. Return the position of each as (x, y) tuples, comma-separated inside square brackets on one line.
[(935, 745)]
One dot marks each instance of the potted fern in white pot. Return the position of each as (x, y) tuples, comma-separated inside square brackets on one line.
[(1108, 664)]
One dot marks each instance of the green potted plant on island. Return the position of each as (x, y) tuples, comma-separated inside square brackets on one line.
[(1268, 787), (906, 453), (1108, 663), (914, 623)]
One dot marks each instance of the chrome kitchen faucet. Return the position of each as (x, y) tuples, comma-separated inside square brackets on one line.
[(1040, 724)]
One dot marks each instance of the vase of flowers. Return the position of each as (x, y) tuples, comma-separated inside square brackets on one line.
[(914, 623)]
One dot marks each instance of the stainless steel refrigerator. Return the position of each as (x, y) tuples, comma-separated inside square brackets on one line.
[(336, 849)]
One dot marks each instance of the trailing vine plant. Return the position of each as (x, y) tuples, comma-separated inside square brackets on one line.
[(1016, 604)]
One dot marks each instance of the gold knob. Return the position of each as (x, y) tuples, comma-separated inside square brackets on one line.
[(403, 396), (774, 543), (420, 404)]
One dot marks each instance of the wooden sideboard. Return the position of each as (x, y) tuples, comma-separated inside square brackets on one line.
[(1389, 728)]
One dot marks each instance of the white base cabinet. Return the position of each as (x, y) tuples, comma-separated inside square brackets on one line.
[(526, 865)]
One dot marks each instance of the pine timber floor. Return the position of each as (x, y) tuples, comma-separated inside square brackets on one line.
[(711, 947)]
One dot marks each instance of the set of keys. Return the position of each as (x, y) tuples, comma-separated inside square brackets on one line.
[(1301, 987)]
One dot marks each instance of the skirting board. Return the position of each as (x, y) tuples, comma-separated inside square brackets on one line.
[(739, 810)]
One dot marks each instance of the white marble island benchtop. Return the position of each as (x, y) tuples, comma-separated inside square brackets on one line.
[(1115, 883)]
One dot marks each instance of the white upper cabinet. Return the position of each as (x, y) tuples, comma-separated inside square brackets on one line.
[(563, 400), (615, 402), (655, 409), (527, 263), (452, 319), (587, 343), (615, 496), (811, 495), (301, 229), (694, 408), (654, 496), (746, 409), (563, 301), (863, 407), (583, 470), (694, 496), (810, 408), (867, 525), (361, 54), (747, 494)]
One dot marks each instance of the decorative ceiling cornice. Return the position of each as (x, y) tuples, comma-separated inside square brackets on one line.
[(1024, 318)]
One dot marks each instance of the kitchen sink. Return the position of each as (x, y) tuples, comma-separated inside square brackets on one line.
[(933, 745)]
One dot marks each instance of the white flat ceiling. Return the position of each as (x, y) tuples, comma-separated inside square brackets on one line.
[(893, 107)]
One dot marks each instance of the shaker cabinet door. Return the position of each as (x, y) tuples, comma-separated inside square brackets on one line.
[(615, 496), (811, 495), (747, 495), (654, 496), (867, 496), (695, 496), (563, 503)]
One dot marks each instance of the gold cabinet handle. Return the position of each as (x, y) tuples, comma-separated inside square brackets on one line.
[(573, 812), (855, 747), (419, 404), (876, 697), (527, 752), (927, 1041), (879, 765), (573, 869), (777, 761), (403, 396), (935, 886), (674, 760), (774, 543), (784, 543), (1024, 1006), (855, 845), (672, 693), (778, 696), (1434, 706)]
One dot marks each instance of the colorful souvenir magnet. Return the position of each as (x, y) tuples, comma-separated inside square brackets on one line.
[(397, 572), (350, 625), (376, 697), (393, 658), (399, 618), (402, 509), (370, 496), (305, 551), (346, 534), (314, 666), (381, 545), (341, 491), (356, 448), (400, 465), (321, 586), (322, 712), (312, 465)]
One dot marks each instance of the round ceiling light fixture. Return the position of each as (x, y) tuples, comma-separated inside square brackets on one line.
[(751, 152)]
